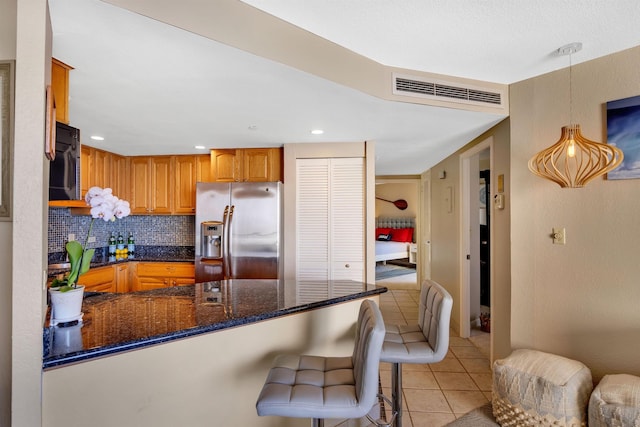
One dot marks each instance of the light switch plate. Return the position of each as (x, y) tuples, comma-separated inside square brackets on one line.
[(559, 236)]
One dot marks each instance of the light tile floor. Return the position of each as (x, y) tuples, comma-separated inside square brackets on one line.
[(436, 394)]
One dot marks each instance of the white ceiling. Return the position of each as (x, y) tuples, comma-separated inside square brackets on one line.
[(151, 88)]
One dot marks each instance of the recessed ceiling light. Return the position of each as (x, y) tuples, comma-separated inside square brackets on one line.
[(253, 127), (317, 131), (200, 147), (97, 138)]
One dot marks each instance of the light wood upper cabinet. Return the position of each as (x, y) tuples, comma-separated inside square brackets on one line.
[(100, 173), (140, 190), (185, 184), (226, 165), (246, 165), (60, 87), (167, 184), (103, 169), (151, 190), (203, 168), (261, 164), (119, 181), (161, 185), (85, 170)]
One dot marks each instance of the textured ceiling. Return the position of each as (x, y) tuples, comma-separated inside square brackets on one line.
[(153, 88)]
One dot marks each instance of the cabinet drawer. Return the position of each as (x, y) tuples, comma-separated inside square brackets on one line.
[(166, 269)]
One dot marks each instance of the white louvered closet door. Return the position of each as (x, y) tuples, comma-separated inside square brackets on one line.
[(330, 226)]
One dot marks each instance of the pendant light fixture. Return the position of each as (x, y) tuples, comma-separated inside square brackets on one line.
[(574, 160)]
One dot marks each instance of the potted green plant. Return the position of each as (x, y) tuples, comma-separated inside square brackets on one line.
[(66, 294)]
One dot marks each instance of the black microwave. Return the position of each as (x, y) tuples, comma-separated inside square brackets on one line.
[(64, 170)]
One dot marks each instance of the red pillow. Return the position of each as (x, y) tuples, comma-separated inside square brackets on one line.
[(402, 234), (381, 230)]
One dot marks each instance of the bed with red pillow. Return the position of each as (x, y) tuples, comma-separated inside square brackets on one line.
[(393, 237)]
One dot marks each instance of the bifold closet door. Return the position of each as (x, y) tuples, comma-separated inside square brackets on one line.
[(330, 225)]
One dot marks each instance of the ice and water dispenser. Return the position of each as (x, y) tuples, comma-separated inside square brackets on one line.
[(212, 237)]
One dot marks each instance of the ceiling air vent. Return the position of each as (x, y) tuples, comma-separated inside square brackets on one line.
[(415, 87)]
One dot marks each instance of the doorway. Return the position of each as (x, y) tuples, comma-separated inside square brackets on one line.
[(403, 272), (476, 235)]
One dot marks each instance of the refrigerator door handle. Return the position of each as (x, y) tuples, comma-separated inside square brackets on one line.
[(225, 248), (228, 263)]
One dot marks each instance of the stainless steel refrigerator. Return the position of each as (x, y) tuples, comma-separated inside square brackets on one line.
[(238, 230)]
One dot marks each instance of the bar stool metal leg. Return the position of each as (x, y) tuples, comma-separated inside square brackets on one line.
[(396, 392)]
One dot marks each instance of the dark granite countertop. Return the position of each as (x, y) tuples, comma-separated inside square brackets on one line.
[(114, 323), (101, 257)]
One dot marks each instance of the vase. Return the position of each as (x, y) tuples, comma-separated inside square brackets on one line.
[(66, 306), (67, 339)]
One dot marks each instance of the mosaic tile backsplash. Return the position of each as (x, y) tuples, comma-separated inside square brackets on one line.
[(152, 230)]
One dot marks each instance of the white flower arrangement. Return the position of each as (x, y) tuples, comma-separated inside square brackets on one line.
[(105, 206)]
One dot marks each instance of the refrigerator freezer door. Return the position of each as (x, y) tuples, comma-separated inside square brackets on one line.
[(211, 201), (254, 231)]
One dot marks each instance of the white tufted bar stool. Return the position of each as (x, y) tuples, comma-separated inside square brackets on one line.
[(328, 387), (426, 342)]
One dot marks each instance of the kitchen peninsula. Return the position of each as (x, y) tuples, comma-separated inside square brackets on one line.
[(135, 361)]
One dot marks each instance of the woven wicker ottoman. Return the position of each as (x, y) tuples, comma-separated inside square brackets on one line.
[(533, 388), (615, 402)]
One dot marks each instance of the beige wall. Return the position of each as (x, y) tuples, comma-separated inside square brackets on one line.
[(446, 238), (395, 190), (30, 181), (7, 52), (580, 300)]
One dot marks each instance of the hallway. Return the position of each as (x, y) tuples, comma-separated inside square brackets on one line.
[(437, 394)]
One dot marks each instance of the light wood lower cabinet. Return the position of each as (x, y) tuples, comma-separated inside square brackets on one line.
[(154, 275), (138, 276), (101, 279), (111, 278)]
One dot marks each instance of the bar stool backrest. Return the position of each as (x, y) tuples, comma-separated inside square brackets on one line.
[(434, 316), (366, 352)]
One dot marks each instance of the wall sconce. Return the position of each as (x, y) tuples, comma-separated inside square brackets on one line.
[(574, 160)]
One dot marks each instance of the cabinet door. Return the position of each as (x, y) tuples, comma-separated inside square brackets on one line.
[(140, 189), (203, 168), (122, 278), (60, 87), (257, 164), (185, 185), (85, 170), (101, 168), (118, 176), (226, 165), (161, 185), (101, 279)]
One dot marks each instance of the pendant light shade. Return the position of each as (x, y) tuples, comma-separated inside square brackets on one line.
[(574, 160)]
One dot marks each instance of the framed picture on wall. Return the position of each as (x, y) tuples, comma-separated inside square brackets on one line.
[(623, 131)]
